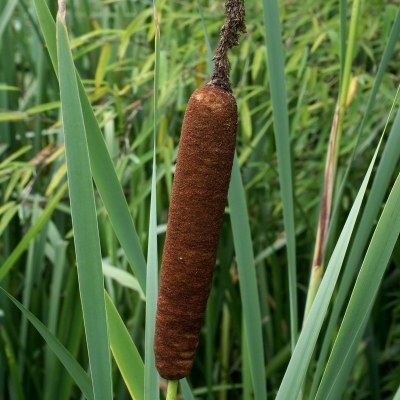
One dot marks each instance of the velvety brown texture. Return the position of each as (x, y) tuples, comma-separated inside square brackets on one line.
[(196, 212)]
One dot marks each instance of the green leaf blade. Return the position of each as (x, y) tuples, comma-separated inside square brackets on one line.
[(151, 384), (276, 70), (76, 371), (247, 280), (101, 164), (125, 352), (362, 299), (297, 368), (84, 222)]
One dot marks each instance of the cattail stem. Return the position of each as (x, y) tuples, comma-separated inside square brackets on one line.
[(172, 390), (230, 32)]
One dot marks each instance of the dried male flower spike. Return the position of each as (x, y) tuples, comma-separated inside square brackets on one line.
[(199, 193)]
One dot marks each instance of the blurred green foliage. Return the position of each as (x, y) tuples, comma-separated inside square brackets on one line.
[(113, 49)]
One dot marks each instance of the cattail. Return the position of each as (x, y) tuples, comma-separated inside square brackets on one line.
[(198, 200), (196, 212)]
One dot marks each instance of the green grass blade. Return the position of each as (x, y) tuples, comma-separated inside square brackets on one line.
[(276, 69), (362, 299), (101, 164), (15, 155), (12, 364), (247, 280), (186, 392), (247, 392), (151, 380), (84, 221), (378, 190), (343, 33), (123, 278), (75, 370), (6, 15), (111, 192), (348, 60), (325, 216), (207, 40), (296, 371), (32, 232), (29, 283), (48, 27), (386, 58), (54, 305), (125, 352), (397, 395), (71, 329), (8, 216)]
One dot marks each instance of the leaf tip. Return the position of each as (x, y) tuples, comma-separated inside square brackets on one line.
[(62, 9)]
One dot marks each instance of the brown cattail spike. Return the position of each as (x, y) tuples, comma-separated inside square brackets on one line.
[(201, 182), (199, 194)]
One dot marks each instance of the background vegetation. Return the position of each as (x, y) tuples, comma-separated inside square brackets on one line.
[(116, 53)]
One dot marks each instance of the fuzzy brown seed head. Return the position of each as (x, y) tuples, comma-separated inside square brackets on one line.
[(198, 200)]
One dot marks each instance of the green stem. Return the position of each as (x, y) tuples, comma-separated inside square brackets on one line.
[(345, 83), (223, 395), (172, 390)]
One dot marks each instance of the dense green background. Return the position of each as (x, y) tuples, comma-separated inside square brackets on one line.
[(114, 50)]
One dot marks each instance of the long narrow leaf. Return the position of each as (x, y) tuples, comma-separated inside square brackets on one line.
[(6, 15), (276, 69), (75, 370), (247, 280), (296, 371), (397, 395), (12, 365), (48, 27), (84, 221), (102, 167), (362, 299), (111, 192), (151, 384), (379, 187), (32, 232), (383, 175), (186, 392), (125, 352), (51, 380), (207, 40)]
